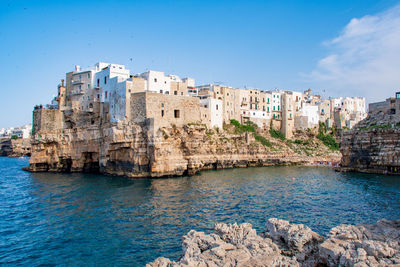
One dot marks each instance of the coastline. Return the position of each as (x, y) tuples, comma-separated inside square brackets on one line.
[(218, 165)]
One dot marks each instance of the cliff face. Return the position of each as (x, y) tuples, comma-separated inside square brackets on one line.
[(15, 147), (373, 145), (140, 150)]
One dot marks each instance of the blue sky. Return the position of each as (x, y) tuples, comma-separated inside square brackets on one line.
[(334, 47)]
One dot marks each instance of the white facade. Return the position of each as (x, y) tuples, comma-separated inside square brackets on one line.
[(156, 81), (215, 107), (311, 112), (276, 101)]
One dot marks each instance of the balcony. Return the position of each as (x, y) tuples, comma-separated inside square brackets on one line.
[(76, 82)]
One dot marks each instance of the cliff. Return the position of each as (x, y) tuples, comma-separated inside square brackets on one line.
[(285, 244), (15, 147), (373, 145), (142, 150)]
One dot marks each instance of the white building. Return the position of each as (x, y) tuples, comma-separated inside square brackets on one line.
[(215, 110), (158, 82)]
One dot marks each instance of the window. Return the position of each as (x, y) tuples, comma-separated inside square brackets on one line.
[(278, 107), (161, 91), (268, 109), (216, 107), (175, 92), (105, 80), (181, 93), (165, 82), (162, 105), (98, 82), (274, 107), (167, 92), (162, 113), (88, 86), (274, 116), (88, 75), (105, 95), (176, 113), (155, 80)]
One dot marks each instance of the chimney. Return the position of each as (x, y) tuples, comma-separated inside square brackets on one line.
[(77, 68), (62, 82)]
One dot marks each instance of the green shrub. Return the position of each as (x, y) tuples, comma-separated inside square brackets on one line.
[(14, 137), (329, 141), (276, 134), (248, 127), (263, 140), (298, 141)]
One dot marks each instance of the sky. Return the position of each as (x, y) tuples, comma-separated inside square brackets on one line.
[(336, 48)]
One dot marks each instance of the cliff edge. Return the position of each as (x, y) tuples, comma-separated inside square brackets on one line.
[(143, 150)]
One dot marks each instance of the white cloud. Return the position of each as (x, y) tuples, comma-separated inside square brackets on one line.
[(364, 59)]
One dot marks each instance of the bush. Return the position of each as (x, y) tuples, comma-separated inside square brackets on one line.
[(329, 141), (14, 137), (299, 142), (276, 134), (248, 127), (263, 140)]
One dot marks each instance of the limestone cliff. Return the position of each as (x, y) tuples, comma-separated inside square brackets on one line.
[(286, 244), (15, 147), (141, 150), (373, 145)]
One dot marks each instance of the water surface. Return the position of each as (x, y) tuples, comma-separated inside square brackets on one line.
[(76, 219)]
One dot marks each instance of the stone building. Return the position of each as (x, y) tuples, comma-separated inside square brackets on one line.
[(162, 110), (390, 106)]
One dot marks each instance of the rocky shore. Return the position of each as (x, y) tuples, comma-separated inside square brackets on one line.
[(286, 244)]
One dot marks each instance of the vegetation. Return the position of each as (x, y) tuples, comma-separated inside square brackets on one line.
[(327, 138), (14, 137), (374, 126), (251, 127), (276, 133), (263, 140), (248, 127)]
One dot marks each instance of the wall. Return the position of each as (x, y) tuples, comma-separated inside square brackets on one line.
[(46, 120), (161, 109)]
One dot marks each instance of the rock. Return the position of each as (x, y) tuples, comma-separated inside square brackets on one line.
[(364, 245), (372, 146), (15, 147), (286, 244), (294, 239), (137, 150)]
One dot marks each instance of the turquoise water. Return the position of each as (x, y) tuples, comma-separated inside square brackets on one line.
[(81, 219)]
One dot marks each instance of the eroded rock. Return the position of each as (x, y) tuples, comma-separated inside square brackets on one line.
[(286, 244)]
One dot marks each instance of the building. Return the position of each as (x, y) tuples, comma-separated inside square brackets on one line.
[(390, 106)]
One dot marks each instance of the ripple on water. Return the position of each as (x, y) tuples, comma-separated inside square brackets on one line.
[(73, 219)]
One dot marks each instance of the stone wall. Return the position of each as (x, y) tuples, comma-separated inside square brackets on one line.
[(46, 120), (165, 110)]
